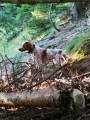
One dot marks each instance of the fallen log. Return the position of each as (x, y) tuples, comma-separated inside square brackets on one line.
[(37, 98), (41, 98)]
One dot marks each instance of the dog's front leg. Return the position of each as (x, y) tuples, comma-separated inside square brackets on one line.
[(58, 59), (36, 62), (64, 59)]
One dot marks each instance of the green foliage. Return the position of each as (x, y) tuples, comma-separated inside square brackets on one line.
[(42, 7), (7, 19), (76, 45), (23, 13), (34, 18), (39, 22), (57, 9), (61, 7), (69, 47), (18, 23)]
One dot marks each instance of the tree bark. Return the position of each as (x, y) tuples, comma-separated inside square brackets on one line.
[(39, 1), (46, 97), (37, 98)]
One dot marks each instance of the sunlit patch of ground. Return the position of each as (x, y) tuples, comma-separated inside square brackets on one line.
[(77, 56)]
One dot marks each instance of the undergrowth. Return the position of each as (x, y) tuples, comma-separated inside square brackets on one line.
[(78, 47)]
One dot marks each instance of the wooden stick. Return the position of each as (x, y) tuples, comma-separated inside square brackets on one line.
[(6, 71), (39, 71), (81, 75), (16, 80), (49, 76), (47, 115)]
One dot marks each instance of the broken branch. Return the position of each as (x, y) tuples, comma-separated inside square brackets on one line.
[(49, 76)]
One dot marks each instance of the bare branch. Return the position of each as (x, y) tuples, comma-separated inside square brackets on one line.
[(49, 76), (51, 19), (6, 71), (85, 74)]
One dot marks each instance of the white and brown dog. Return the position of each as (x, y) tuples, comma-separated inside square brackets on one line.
[(43, 55)]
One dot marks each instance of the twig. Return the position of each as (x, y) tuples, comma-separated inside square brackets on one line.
[(83, 116), (37, 73), (28, 64), (1, 73), (50, 17), (49, 76), (44, 116), (9, 59), (23, 74), (6, 72), (12, 70), (16, 79), (81, 75), (13, 63)]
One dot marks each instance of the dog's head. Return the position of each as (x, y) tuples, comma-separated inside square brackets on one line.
[(26, 46)]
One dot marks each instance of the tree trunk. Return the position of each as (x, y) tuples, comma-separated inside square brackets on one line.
[(81, 8), (78, 10)]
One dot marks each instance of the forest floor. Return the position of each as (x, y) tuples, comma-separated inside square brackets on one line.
[(29, 113)]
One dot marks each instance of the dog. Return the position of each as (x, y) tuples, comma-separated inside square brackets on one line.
[(43, 55)]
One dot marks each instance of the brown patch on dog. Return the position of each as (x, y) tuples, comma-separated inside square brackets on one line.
[(43, 56)]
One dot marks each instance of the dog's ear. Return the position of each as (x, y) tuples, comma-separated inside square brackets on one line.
[(43, 55)]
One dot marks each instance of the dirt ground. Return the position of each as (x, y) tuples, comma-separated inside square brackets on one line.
[(43, 114)]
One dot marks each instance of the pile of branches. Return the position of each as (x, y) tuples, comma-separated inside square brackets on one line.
[(22, 76)]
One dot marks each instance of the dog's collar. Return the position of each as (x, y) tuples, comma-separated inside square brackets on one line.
[(32, 49)]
